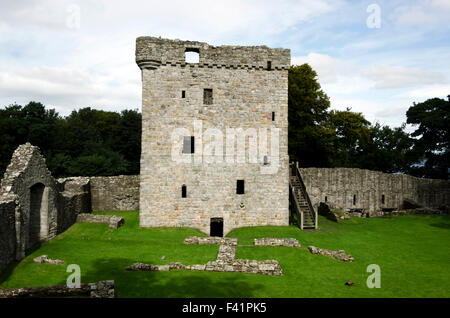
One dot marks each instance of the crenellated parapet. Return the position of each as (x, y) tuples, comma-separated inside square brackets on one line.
[(151, 52)]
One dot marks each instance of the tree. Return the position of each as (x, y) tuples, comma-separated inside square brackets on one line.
[(432, 136), (309, 139), (351, 134), (388, 150)]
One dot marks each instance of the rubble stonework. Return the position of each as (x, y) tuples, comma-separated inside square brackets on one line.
[(338, 255), (8, 242), (226, 261), (245, 93), (114, 221), (212, 240), (101, 289), (350, 188), (34, 206), (118, 193), (43, 259), (289, 242)]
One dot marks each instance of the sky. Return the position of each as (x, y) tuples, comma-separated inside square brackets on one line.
[(375, 57)]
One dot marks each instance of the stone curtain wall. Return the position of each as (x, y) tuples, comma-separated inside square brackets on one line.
[(245, 93), (120, 193), (340, 185)]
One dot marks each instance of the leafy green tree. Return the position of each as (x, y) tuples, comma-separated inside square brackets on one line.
[(388, 150), (309, 139), (432, 137)]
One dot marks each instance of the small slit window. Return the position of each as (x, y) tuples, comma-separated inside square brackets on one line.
[(183, 94), (183, 191), (192, 55), (326, 199), (273, 116), (382, 199), (207, 96), (188, 144), (269, 65), (354, 199), (240, 188), (266, 160)]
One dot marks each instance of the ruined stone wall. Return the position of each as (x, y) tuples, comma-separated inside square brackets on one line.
[(34, 208), (119, 193), (74, 199), (7, 230), (338, 187), (245, 93)]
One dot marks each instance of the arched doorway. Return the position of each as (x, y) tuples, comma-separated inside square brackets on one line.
[(38, 214)]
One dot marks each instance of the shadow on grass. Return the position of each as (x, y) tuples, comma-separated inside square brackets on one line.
[(442, 225), (177, 283), (8, 271)]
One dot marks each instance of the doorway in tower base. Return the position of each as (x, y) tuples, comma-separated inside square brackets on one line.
[(216, 227)]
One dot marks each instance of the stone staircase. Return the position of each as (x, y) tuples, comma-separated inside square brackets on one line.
[(300, 202)]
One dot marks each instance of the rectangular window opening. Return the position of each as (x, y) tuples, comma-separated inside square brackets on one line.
[(269, 65), (183, 94), (273, 116), (192, 55), (188, 144), (207, 96), (240, 187)]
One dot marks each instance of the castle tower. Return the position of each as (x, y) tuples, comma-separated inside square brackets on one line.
[(205, 124)]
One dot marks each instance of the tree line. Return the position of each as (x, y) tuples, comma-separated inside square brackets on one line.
[(319, 137), (91, 142), (88, 142)]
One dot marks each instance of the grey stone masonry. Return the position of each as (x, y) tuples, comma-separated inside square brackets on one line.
[(118, 193), (34, 207), (226, 261), (212, 240), (339, 255), (101, 289), (113, 221), (289, 242), (346, 189), (43, 259), (232, 93)]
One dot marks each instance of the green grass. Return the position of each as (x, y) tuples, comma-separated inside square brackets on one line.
[(412, 251)]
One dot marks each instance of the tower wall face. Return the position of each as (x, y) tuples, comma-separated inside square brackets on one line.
[(244, 96)]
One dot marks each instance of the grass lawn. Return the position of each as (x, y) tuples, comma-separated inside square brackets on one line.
[(413, 253)]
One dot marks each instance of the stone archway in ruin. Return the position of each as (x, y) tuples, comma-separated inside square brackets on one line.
[(38, 227)]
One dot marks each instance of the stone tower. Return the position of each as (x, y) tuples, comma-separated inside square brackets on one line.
[(214, 135)]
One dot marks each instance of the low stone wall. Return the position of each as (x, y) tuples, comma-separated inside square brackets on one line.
[(8, 241), (338, 255), (118, 193), (43, 259), (114, 221), (289, 242), (226, 260), (211, 240), (102, 289)]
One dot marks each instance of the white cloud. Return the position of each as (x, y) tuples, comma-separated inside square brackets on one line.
[(429, 91), (386, 76), (424, 13)]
